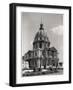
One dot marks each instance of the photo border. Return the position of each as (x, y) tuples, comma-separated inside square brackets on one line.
[(12, 41)]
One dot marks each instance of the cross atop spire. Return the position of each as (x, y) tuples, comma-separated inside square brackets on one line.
[(41, 19)]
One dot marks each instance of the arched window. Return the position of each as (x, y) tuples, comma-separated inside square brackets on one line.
[(40, 38), (40, 45)]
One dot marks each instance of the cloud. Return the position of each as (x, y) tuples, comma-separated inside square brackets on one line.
[(31, 42), (58, 30)]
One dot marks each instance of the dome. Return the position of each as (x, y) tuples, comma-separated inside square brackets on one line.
[(41, 35)]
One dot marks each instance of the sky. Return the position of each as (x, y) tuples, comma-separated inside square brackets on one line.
[(53, 25)]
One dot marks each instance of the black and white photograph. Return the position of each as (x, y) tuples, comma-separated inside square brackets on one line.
[(42, 44)]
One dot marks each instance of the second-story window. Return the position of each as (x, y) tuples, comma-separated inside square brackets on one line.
[(40, 45), (29, 54), (35, 53)]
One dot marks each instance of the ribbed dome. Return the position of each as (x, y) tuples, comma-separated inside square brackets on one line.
[(41, 35)]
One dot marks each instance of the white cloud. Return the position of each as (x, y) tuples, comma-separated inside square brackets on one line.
[(31, 42), (58, 30)]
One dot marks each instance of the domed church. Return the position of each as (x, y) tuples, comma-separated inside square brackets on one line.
[(42, 56)]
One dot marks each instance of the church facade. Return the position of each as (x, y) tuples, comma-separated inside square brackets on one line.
[(42, 56)]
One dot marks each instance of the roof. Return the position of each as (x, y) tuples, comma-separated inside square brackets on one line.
[(30, 51), (53, 49)]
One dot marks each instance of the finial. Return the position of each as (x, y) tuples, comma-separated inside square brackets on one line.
[(41, 25)]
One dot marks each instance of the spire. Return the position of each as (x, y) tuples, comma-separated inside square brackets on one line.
[(41, 25), (41, 19)]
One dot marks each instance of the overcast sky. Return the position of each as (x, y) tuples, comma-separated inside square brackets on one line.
[(53, 25)]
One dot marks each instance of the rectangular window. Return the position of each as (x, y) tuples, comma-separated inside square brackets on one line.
[(35, 53)]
